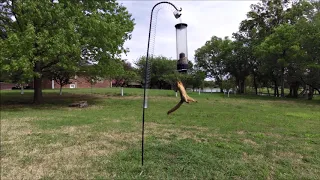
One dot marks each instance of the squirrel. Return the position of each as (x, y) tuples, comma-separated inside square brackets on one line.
[(184, 97)]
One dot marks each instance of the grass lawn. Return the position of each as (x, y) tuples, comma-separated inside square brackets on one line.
[(241, 137)]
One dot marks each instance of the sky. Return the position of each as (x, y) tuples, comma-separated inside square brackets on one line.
[(204, 18)]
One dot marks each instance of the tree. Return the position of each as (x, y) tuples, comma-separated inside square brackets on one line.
[(209, 84), (61, 76), (17, 77), (309, 39), (237, 63), (211, 57), (36, 35), (261, 22), (281, 46), (125, 75), (195, 78), (160, 68), (228, 84)]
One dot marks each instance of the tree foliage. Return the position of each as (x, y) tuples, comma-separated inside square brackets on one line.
[(276, 46), (61, 76), (164, 75), (125, 75), (37, 35), (160, 68)]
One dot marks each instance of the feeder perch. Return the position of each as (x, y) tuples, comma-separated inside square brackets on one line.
[(182, 47)]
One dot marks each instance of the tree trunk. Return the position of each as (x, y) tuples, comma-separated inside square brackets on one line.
[(294, 90), (238, 83), (37, 85), (242, 86), (268, 91), (276, 90), (60, 90), (255, 84), (282, 82), (37, 95), (310, 93)]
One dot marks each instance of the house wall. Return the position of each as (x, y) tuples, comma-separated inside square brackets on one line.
[(6, 86), (78, 82)]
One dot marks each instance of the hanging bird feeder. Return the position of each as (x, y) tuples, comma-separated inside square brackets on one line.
[(182, 64), (182, 47)]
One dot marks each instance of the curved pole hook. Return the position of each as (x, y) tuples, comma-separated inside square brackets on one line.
[(176, 15)]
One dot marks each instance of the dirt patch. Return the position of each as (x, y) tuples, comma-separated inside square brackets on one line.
[(151, 98), (116, 136), (198, 128), (167, 132), (269, 134), (271, 172), (125, 97), (288, 155), (249, 141), (241, 132), (245, 156)]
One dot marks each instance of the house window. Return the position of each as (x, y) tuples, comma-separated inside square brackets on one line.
[(72, 86)]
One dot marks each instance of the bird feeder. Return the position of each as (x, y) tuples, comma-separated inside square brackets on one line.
[(182, 47)]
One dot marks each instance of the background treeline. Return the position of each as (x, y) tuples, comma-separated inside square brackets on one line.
[(276, 48)]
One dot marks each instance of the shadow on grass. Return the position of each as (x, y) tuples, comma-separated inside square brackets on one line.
[(17, 102)]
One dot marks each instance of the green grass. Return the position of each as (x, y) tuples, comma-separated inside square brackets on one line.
[(241, 137)]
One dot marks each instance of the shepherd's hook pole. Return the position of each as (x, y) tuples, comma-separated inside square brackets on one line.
[(177, 15)]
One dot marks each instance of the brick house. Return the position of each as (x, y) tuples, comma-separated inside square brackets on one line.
[(76, 82), (6, 86)]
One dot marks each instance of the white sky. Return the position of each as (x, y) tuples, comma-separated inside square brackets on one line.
[(204, 18)]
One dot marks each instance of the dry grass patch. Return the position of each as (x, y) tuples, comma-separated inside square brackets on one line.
[(273, 135), (250, 142), (69, 156), (13, 129), (241, 132), (252, 157), (296, 157), (184, 132)]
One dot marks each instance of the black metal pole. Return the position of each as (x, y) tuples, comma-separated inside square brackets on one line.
[(146, 74)]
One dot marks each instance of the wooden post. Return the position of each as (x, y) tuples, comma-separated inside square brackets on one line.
[(22, 89)]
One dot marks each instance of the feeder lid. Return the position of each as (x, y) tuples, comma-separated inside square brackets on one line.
[(180, 25), (182, 55)]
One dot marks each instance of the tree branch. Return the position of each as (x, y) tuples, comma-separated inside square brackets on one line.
[(309, 85), (15, 15), (56, 61)]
